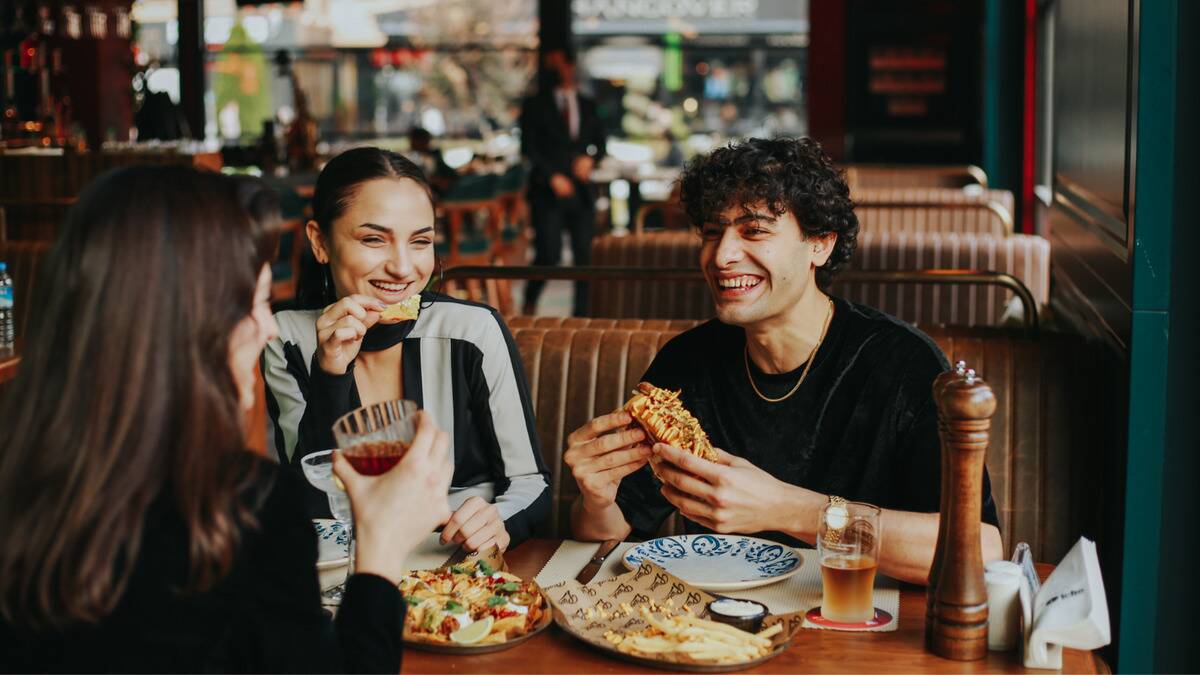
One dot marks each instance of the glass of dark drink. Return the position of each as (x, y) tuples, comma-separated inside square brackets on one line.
[(848, 546), (375, 437)]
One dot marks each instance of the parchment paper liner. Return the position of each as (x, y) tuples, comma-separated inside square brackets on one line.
[(647, 583)]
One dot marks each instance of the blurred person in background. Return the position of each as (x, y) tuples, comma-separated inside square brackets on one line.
[(437, 171), (160, 119), (563, 139)]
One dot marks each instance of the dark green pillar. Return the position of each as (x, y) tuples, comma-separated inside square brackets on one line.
[(1162, 512)]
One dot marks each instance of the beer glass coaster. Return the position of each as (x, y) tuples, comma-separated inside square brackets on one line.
[(881, 622)]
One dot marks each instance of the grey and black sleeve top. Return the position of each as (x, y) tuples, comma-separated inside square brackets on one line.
[(460, 364)]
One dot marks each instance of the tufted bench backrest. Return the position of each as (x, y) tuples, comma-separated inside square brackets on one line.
[(581, 368)]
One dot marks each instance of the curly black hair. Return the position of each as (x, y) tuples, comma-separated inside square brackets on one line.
[(784, 175)]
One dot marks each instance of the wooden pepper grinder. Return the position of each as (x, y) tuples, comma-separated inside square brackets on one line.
[(939, 386), (960, 610)]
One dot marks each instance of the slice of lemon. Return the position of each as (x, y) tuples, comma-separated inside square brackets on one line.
[(474, 632), (338, 482)]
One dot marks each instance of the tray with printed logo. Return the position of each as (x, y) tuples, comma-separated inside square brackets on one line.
[(651, 617)]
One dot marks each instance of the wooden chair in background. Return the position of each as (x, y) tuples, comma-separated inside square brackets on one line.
[(516, 232), (296, 210), (285, 271), (464, 239)]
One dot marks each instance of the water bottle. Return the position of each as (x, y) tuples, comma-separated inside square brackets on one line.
[(8, 331)]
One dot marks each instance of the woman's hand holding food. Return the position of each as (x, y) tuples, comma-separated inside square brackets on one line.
[(601, 453), (340, 330), (477, 526), (394, 511)]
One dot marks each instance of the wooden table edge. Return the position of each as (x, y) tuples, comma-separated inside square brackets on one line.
[(8, 368)]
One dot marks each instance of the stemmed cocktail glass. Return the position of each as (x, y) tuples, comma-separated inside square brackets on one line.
[(373, 439), (318, 469)]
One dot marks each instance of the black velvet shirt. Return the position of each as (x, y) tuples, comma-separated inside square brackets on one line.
[(863, 425)]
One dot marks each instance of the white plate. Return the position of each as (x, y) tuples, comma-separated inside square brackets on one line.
[(333, 543), (718, 562)]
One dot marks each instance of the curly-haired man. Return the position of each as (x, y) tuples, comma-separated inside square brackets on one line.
[(808, 395)]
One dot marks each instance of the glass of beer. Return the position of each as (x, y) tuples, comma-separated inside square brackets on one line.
[(375, 437), (848, 546)]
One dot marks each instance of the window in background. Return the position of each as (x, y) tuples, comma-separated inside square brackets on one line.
[(367, 69), (683, 77)]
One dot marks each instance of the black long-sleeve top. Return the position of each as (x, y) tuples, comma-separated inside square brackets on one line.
[(264, 616), (862, 426), (460, 364)]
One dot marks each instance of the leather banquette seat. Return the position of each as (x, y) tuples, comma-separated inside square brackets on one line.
[(581, 368), (1025, 257)]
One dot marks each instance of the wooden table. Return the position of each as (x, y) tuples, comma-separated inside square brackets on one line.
[(554, 651), (8, 368)]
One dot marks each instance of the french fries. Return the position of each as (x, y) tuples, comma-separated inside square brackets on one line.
[(685, 638)]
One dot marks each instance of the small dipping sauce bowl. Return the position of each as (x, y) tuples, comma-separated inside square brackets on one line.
[(745, 615)]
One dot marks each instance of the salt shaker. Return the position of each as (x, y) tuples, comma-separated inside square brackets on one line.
[(1003, 581)]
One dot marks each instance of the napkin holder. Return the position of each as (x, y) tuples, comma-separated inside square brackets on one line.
[(1069, 610)]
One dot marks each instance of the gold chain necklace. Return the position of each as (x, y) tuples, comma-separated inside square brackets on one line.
[(811, 357)]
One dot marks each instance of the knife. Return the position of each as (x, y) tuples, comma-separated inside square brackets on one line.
[(589, 570)]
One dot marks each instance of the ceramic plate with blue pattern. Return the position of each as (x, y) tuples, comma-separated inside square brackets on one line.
[(718, 562), (333, 543)]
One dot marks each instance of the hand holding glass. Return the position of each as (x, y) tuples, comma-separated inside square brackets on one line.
[(848, 546), (393, 509), (375, 437)]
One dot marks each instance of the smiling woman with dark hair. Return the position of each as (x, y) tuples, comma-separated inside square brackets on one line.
[(136, 532), (372, 241)]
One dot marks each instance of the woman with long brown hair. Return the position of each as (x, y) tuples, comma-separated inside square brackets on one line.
[(136, 533)]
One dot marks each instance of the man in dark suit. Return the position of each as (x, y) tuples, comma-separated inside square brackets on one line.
[(563, 139)]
